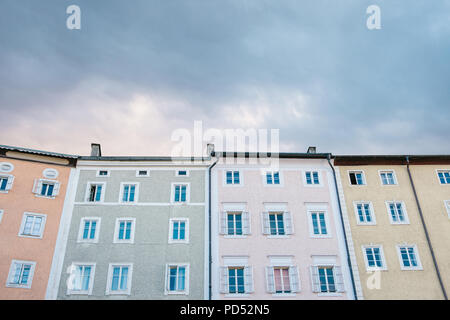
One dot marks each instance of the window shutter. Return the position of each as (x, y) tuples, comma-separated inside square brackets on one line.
[(9, 183), (37, 186), (248, 279), (223, 222), (270, 280), (167, 279), (56, 189), (288, 222), (294, 279), (339, 279), (223, 279), (265, 223), (245, 223), (315, 279)]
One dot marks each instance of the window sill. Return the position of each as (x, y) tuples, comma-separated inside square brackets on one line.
[(278, 237), (229, 236), (4, 191), (329, 294), (321, 237), (30, 236), (175, 293), (44, 197), (12, 285), (178, 242), (237, 295), (411, 269), (282, 295)]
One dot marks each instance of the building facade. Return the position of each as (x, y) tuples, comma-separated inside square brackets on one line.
[(276, 229), (136, 231), (33, 188), (391, 251)]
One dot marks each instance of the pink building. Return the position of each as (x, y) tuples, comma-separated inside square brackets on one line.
[(276, 229), (33, 186)]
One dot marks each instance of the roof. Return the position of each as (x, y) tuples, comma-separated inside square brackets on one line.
[(283, 155), (348, 160), (38, 152)]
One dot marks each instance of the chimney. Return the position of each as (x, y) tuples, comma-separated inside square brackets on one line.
[(209, 149), (311, 150), (96, 150)]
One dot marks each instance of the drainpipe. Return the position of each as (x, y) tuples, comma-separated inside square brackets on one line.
[(209, 229), (425, 229), (343, 228)]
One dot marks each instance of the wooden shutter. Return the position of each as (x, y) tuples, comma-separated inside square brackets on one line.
[(294, 279), (56, 189), (223, 279), (248, 279), (270, 281), (9, 183), (245, 223), (287, 222), (339, 279), (265, 223), (223, 223), (315, 279), (37, 186)]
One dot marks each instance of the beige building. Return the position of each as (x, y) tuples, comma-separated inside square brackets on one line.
[(391, 254)]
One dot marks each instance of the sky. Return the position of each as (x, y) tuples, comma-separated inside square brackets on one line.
[(138, 71)]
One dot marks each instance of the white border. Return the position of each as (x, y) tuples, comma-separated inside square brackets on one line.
[(91, 278), (136, 193), (110, 274), (372, 213), (416, 253), (30, 276), (117, 226), (81, 230), (383, 259), (186, 279), (22, 225), (186, 230)]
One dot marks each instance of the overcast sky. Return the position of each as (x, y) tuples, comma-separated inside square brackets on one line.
[(138, 70)]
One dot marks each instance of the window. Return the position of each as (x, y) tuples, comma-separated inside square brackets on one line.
[(179, 230), (81, 278), (119, 278), (387, 177), (95, 192), (312, 178), (232, 177), (364, 213), (272, 178), (21, 274), (318, 223), (46, 188), (180, 193), (182, 173), (124, 232), (356, 178), (444, 176), (129, 192), (397, 213), (282, 279), (6, 182), (277, 223), (102, 173), (142, 173), (89, 229), (235, 223), (409, 258), (32, 225), (374, 258), (327, 279), (177, 276)]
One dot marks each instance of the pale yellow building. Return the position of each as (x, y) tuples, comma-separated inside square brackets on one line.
[(390, 254)]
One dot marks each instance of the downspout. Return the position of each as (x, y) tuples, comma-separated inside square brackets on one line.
[(209, 229), (425, 229), (343, 228)]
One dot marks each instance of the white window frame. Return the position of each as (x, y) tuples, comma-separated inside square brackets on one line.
[(294, 278), (110, 278), (72, 275), (305, 181), (339, 289), (383, 260), (144, 175), (136, 193), (394, 176), (188, 193), (447, 207), (1, 215), (416, 253), (117, 228), (372, 213), (272, 172), (320, 209), (88, 188), (37, 188), (245, 220), (439, 180), (11, 274), (363, 178), (186, 279), (9, 183), (24, 219), (81, 230), (405, 213), (241, 178), (97, 175), (177, 173), (186, 230)]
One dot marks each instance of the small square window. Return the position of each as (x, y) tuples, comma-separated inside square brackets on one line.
[(397, 213), (232, 177), (142, 173), (374, 258), (180, 193), (103, 173), (129, 192), (364, 213), (89, 229), (6, 182), (177, 279), (119, 279), (444, 176), (356, 178), (409, 257), (312, 178), (319, 223), (182, 173), (95, 192), (82, 276), (179, 230), (32, 225), (21, 274), (388, 178), (124, 232), (273, 178)]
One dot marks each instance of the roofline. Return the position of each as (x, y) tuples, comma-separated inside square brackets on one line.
[(341, 160), (40, 152), (281, 155), (142, 158)]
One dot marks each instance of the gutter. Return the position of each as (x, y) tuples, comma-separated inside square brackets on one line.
[(343, 229), (425, 230), (209, 230)]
